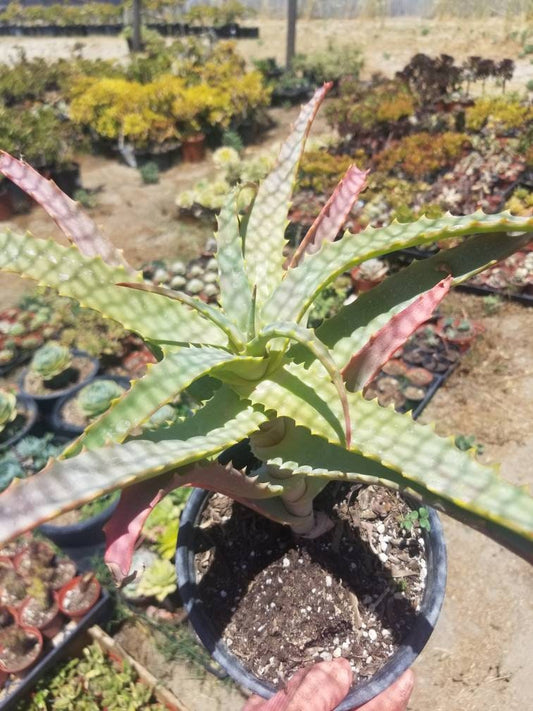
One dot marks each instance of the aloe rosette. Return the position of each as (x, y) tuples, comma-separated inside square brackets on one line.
[(257, 370)]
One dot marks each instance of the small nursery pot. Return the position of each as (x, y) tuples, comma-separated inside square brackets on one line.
[(193, 149), (18, 666), (84, 533), (49, 623), (46, 402), (405, 655), (68, 429), (73, 601), (27, 406)]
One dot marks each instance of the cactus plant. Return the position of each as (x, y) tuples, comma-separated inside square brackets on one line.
[(50, 360), (96, 398), (259, 371), (8, 408)]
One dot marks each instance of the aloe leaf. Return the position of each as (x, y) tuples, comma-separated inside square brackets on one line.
[(393, 449), (355, 324), (65, 484), (292, 298), (333, 215), (367, 361), (72, 221), (307, 338), (162, 382), (302, 395), (235, 290), (92, 283), (137, 501), (265, 233), (215, 315)]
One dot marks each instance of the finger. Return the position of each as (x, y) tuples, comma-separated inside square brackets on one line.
[(395, 698), (254, 703), (317, 688)]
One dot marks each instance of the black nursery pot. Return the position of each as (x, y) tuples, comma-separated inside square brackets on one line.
[(30, 409), (45, 403), (67, 429), (401, 660), (83, 535)]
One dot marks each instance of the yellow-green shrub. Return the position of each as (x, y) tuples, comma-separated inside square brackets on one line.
[(498, 113), (422, 154)]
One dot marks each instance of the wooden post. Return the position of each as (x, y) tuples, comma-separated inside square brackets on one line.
[(291, 31), (136, 29)]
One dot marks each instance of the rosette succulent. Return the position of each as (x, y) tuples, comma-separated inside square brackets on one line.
[(96, 398), (50, 360), (8, 408), (257, 370)]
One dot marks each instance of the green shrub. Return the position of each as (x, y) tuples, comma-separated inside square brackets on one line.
[(149, 173)]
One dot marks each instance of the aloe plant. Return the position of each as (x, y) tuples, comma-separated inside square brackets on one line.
[(8, 408), (96, 398), (259, 371), (50, 360)]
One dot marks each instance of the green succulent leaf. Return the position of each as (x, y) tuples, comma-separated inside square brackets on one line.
[(235, 289), (92, 283), (76, 225), (265, 232), (292, 298), (161, 384), (66, 484), (355, 324), (215, 315), (392, 449)]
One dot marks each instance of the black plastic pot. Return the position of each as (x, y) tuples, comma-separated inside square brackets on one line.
[(28, 404), (45, 403), (401, 660), (82, 535), (67, 429)]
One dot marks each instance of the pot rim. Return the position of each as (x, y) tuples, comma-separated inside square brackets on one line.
[(401, 660), (51, 397)]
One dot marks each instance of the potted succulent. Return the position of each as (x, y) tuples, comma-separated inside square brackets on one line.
[(17, 416), (39, 560), (40, 609), (460, 332), (19, 647), (54, 371), (79, 595), (72, 413), (259, 372)]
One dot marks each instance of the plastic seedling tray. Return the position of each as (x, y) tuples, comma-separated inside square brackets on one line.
[(55, 650)]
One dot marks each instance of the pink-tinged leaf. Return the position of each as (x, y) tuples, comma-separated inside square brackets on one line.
[(70, 218), (137, 501), (333, 215), (364, 365)]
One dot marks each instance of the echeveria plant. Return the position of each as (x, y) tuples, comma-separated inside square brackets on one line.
[(96, 398), (50, 360), (259, 371), (8, 407)]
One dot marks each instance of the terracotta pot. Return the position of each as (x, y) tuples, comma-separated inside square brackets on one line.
[(18, 666), (51, 622), (77, 609), (193, 149), (6, 206), (462, 339)]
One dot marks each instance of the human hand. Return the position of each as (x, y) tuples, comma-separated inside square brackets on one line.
[(323, 686)]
